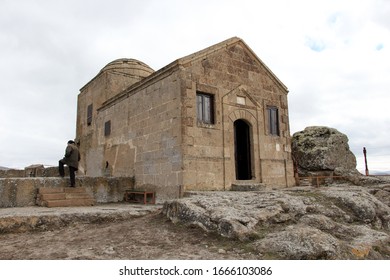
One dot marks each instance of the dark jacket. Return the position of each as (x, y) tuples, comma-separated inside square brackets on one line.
[(72, 156)]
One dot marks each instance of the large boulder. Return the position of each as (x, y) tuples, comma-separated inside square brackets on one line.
[(320, 148)]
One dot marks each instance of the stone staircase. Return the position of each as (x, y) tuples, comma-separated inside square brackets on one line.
[(305, 182), (64, 197)]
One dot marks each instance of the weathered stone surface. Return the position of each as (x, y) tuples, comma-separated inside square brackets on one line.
[(337, 222), (24, 219), (319, 148), (299, 242), (383, 194), (363, 206)]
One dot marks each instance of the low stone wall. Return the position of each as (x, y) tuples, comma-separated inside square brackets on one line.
[(32, 171), (21, 192), (12, 173)]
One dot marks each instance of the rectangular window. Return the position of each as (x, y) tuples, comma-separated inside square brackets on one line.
[(205, 107), (107, 128), (89, 114), (273, 120)]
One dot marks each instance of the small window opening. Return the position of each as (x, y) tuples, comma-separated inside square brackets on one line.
[(205, 107), (107, 128), (273, 120), (89, 114)]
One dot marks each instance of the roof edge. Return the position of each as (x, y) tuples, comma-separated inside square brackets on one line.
[(265, 66), (209, 50), (186, 59), (155, 75)]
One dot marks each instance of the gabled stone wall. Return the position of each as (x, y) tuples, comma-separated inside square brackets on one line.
[(242, 89)]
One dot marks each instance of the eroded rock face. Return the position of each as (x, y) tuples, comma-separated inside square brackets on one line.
[(300, 242), (319, 148), (338, 222)]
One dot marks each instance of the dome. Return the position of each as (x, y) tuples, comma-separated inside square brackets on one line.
[(116, 77), (131, 67)]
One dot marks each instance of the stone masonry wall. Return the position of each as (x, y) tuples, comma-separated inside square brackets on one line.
[(145, 139), (92, 94), (209, 160), (111, 80)]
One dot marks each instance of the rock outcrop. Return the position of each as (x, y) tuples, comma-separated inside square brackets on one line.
[(337, 222), (324, 151), (320, 148)]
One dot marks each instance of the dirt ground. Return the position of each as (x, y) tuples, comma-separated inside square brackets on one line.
[(148, 237)]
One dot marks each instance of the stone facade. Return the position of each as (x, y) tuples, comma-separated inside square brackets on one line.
[(202, 122)]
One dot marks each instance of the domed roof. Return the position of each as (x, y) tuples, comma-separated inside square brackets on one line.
[(130, 67), (118, 75)]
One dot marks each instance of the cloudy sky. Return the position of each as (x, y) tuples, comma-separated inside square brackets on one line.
[(333, 55)]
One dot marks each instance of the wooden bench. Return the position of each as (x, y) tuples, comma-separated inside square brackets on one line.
[(140, 196)]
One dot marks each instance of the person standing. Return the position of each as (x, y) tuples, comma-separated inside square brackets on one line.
[(71, 159)]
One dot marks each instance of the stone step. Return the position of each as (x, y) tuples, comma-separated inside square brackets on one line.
[(69, 202), (305, 182), (77, 195), (64, 197), (51, 196), (247, 186), (59, 196), (46, 190)]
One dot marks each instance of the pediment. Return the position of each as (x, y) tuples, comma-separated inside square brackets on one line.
[(240, 97), (231, 43)]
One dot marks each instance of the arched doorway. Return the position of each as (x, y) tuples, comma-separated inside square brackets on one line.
[(242, 150)]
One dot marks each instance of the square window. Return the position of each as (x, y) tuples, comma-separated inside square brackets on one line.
[(273, 120), (205, 108)]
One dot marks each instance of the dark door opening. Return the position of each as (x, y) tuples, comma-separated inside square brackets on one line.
[(242, 147)]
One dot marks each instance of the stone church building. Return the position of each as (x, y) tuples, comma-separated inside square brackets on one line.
[(204, 122)]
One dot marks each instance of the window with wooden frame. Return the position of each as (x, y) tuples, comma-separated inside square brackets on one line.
[(205, 107), (273, 120), (107, 128), (89, 114)]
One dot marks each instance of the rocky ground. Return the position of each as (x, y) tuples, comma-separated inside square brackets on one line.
[(151, 236), (331, 222)]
